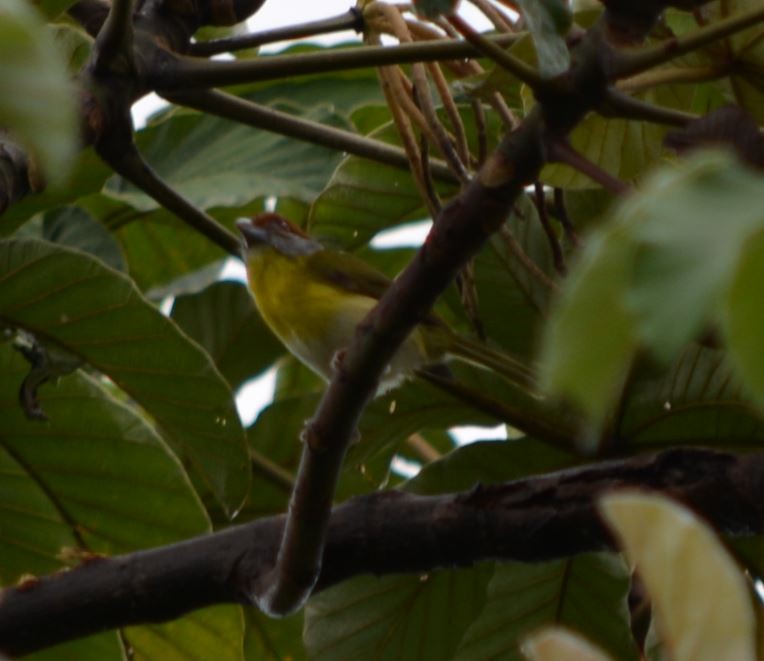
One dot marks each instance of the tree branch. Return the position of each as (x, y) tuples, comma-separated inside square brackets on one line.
[(458, 232), (350, 20), (534, 519), (123, 156), (181, 73), (275, 121), (629, 64), (114, 44)]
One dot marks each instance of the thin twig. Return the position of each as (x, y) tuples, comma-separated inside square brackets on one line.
[(561, 211), (516, 250), (270, 470), (252, 114), (516, 415), (188, 72), (629, 64), (452, 112), (672, 76), (350, 20), (559, 150), (619, 104), (557, 256), (514, 65), (426, 452)]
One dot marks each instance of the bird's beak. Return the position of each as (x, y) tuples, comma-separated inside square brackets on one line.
[(252, 234)]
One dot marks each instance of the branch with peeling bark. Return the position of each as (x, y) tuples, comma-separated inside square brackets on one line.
[(534, 519)]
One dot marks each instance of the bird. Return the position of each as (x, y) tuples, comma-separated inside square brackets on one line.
[(313, 298)]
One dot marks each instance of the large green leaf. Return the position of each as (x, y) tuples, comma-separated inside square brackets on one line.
[(488, 462), (105, 646), (224, 320), (97, 314), (658, 273), (94, 477), (37, 99), (587, 594), (395, 617), (76, 228), (272, 639), (745, 316), (586, 360), (212, 633), (548, 21), (88, 176), (216, 162), (698, 400)]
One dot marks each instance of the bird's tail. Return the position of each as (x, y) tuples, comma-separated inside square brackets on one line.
[(499, 362)]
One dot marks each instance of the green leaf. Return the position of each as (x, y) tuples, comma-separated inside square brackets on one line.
[(698, 400), (100, 647), (272, 639), (658, 274), (94, 477), (744, 319), (96, 313), (214, 162), (587, 593), (74, 227), (363, 197), (224, 320), (689, 226), (37, 99), (488, 462), (548, 22), (624, 148), (212, 633), (395, 617), (52, 8), (87, 176), (583, 360)]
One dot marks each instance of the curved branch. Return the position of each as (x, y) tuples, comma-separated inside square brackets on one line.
[(534, 519)]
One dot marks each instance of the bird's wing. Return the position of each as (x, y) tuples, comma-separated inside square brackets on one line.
[(335, 267), (350, 273)]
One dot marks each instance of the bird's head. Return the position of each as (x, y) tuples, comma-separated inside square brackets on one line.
[(270, 230)]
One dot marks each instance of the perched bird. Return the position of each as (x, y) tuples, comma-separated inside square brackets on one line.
[(313, 298)]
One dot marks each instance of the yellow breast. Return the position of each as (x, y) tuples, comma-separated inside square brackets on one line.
[(312, 318)]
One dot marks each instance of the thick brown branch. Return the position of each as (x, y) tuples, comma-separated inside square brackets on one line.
[(534, 519), (458, 232)]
